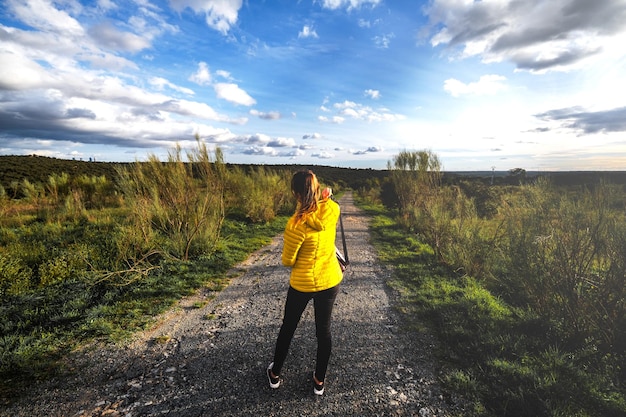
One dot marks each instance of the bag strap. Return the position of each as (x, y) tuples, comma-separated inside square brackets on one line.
[(343, 240)]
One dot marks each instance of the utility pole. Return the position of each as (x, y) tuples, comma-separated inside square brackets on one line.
[(493, 173)]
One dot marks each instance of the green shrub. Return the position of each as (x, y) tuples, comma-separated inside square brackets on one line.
[(64, 265), (15, 277), (258, 195), (557, 259), (183, 202)]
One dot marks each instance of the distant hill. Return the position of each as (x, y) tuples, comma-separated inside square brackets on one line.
[(39, 168)]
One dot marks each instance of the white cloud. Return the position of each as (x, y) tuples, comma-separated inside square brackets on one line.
[(307, 32), (349, 4), (383, 41), (44, 16), (106, 5), (346, 105), (334, 119), (281, 143), (361, 112), (294, 153), (224, 74), (160, 83), (272, 115), (486, 85), (195, 109), (260, 150), (535, 35), (109, 36), (202, 76), (257, 138), (323, 155), (312, 136), (371, 149), (213, 135), (221, 15), (234, 94), (373, 94)]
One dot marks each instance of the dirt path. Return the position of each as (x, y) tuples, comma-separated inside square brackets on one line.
[(211, 361)]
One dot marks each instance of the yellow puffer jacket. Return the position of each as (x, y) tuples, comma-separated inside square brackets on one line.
[(309, 249)]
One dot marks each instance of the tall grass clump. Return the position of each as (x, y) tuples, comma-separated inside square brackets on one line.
[(562, 255), (177, 206), (259, 194), (416, 177)]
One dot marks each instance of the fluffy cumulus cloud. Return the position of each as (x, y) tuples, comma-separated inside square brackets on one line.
[(307, 32), (293, 154), (260, 150), (234, 94), (46, 17), (535, 35), (202, 76), (272, 115), (227, 90), (487, 84), (373, 94), (312, 136), (323, 155), (335, 119), (111, 37), (353, 110), (220, 15), (256, 139), (281, 143), (371, 149)]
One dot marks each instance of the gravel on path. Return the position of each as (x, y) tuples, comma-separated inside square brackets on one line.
[(211, 361)]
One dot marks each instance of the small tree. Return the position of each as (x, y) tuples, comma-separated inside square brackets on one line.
[(424, 206), (517, 175), (415, 176)]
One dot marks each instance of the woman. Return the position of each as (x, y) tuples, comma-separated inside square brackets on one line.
[(309, 249)]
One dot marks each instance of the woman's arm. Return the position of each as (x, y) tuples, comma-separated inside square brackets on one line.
[(292, 241)]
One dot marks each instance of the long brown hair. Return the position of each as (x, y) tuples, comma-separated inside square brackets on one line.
[(306, 188)]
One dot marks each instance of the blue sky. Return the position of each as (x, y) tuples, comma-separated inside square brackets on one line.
[(536, 84)]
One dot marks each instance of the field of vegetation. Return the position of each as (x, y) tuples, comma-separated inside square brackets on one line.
[(522, 278), (524, 285), (93, 251)]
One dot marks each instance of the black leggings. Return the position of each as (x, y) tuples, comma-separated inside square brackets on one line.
[(297, 301)]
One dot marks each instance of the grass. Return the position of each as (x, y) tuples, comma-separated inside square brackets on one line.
[(506, 361), (40, 326)]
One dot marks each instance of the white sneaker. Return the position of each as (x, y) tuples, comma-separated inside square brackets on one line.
[(317, 389), (274, 382)]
